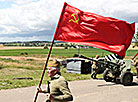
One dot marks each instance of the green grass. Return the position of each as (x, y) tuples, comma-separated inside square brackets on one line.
[(87, 52), (131, 52), (10, 68), (7, 75), (17, 52), (24, 64), (91, 52)]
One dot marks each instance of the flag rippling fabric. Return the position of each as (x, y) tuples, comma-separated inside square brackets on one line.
[(91, 29)]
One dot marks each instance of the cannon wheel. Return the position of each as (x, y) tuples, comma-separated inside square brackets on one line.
[(106, 77), (126, 78)]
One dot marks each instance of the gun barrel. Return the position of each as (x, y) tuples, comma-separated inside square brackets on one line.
[(104, 62)]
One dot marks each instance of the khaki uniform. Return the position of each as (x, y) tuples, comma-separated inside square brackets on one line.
[(95, 69), (136, 65), (59, 89), (94, 65)]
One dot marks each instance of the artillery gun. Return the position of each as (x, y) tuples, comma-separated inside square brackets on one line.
[(115, 71)]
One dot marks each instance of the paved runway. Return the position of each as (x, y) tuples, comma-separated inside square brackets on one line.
[(83, 91)]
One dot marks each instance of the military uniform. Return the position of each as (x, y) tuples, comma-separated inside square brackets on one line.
[(94, 65), (136, 65), (95, 69), (58, 86), (59, 89)]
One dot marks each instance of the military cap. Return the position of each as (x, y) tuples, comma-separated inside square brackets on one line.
[(53, 63)]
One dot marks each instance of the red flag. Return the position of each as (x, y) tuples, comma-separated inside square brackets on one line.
[(90, 29)]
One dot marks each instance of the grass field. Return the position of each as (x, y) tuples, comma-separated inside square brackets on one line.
[(25, 66), (91, 52)]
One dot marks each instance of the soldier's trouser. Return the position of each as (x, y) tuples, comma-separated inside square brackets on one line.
[(137, 72), (95, 73)]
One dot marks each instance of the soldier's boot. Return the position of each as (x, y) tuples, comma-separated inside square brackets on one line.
[(92, 75), (95, 76), (137, 72)]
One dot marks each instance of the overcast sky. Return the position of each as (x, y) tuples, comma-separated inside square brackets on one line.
[(30, 20)]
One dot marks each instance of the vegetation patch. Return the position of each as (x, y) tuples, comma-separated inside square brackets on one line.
[(30, 66)]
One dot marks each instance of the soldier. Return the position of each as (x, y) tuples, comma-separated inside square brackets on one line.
[(95, 68), (58, 86), (135, 63)]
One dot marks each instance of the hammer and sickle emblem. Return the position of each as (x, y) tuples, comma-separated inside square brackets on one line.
[(74, 20)]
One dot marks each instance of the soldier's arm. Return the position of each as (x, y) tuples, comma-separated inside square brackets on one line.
[(63, 87), (42, 91), (45, 91)]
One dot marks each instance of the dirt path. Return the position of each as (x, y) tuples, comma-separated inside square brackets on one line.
[(22, 58), (83, 91)]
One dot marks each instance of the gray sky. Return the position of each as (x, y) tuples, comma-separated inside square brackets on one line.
[(30, 20)]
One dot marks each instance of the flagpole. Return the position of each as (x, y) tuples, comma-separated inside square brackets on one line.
[(63, 9), (135, 56)]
